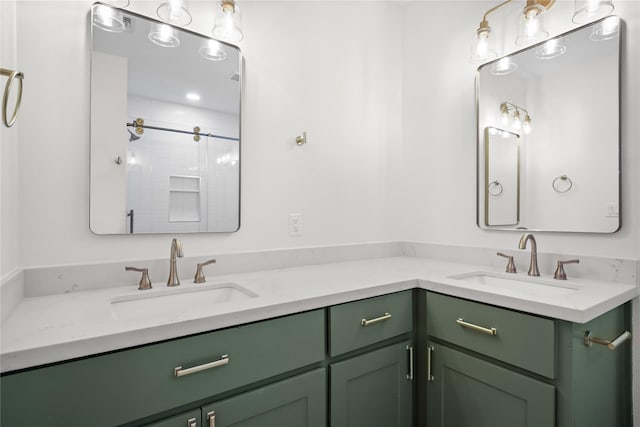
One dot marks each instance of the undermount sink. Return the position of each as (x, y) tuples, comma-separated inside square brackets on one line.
[(519, 284), (175, 302)]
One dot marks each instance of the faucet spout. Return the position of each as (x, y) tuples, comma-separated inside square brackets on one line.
[(533, 267), (176, 252)]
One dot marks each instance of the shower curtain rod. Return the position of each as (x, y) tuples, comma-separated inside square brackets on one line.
[(139, 125)]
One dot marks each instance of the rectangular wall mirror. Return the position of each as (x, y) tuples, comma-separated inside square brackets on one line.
[(165, 128), (548, 134)]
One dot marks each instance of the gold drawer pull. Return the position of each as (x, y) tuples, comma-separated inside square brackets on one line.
[(366, 322), (612, 345), (211, 417), (490, 331), (179, 372), (192, 422)]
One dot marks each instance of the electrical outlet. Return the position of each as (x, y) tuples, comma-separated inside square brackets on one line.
[(295, 224)]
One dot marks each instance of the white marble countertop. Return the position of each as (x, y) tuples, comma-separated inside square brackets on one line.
[(54, 328)]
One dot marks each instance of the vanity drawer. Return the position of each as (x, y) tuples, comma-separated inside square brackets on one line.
[(119, 387), (360, 323), (520, 339)]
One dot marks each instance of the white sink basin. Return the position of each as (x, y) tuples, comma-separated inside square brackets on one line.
[(175, 302), (518, 284)]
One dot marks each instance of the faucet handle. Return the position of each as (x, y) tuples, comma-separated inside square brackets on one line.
[(511, 267), (199, 274), (559, 273), (144, 283)]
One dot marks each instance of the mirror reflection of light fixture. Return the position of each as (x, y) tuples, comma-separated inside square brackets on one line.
[(504, 66), (607, 29), (174, 12), (164, 35), (107, 18), (591, 10), (551, 49), (513, 113), (228, 21), (531, 22), (212, 50)]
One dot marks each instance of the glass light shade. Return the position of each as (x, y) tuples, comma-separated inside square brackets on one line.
[(164, 35), (174, 12), (228, 22), (551, 49), (482, 47), (212, 50), (606, 30), (531, 27), (107, 18), (503, 66), (526, 126), (590, 10)]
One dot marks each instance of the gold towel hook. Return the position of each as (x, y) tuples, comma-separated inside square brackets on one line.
[(5, 95)]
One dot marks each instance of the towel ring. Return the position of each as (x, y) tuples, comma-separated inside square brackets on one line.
[(5, 95), (497, 188), (558, 184)]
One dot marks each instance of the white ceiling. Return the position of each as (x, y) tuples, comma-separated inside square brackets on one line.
[(168, 74)]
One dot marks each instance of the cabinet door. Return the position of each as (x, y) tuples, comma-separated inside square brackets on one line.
[(186, 419), (299, 401), (372, 390), (467, 391)]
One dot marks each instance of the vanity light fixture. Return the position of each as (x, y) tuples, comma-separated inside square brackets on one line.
[(591, 10), (513, 113), (212, 50), (228, 21), (107, 18), (482, 46), (164, 35), (174, 12), (551, 49)]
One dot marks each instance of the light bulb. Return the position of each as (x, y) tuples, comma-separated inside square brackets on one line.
[(531, 25), (590, 10), (108, 19), (174, 12), (551, 49), (212, 50), (504, 110), (606, 30), (504, 66), (164, 35)]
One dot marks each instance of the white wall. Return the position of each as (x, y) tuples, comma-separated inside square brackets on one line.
[(332, 70), (439, 152), (8, 148)]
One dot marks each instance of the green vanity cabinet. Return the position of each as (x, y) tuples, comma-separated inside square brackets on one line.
[(299, 401), (490, 366), (371, 376), (373, 389), (467, 391), (135, 384)]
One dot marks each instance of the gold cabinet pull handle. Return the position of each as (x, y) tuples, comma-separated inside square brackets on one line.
[(366, 322), (191, 422), (410, 374), (211, 416), (490, 331), (612, 345), (13, 75), (179, 372), (430, 349)]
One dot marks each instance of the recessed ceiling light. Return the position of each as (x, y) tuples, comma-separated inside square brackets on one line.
[(193, 97)]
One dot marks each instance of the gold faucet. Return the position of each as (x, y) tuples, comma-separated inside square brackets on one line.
[(533, 267), (176, 251)]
